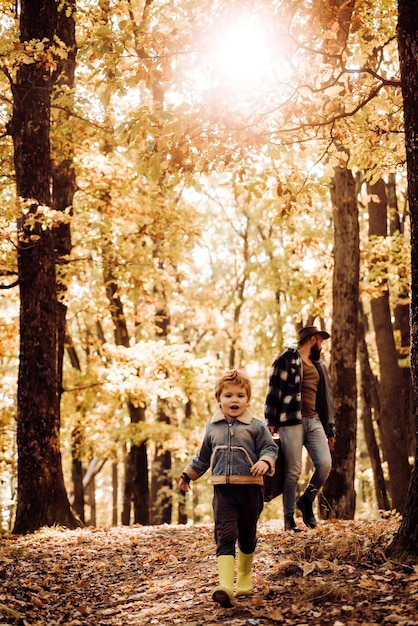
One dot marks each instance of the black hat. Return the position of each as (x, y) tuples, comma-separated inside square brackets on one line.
[(308, 331)]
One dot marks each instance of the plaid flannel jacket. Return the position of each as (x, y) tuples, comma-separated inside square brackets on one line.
[(283, 404)]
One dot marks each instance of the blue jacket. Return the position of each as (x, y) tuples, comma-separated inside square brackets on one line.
[(283, 405), (231, 450)]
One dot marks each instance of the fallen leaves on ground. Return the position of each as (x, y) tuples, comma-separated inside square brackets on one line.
[(336, 574)]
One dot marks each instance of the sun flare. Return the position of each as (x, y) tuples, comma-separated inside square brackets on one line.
[(243, 51)]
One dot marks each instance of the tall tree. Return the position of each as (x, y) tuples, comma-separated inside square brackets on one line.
[(136, 488), (338, 492), (405, 541), (369, 399), (393, 419), (42, 498), (339, 488), (401, 308)]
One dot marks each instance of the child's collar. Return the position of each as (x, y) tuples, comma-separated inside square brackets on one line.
[(245, 418)]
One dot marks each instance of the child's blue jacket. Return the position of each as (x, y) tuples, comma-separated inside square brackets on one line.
[(231, 449)]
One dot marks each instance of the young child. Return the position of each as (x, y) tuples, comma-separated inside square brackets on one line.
[(240, 450)]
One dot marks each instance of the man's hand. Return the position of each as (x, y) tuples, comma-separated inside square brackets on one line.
[(331, 442)]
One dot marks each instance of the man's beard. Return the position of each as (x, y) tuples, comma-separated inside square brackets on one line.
[(315, 353)]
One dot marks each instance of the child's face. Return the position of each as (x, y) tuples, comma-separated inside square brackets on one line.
[(233, 400)]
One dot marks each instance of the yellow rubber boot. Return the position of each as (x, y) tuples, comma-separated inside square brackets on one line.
[(223, 594), (244, 576)]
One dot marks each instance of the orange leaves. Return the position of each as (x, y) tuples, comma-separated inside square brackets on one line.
[(164, 575)]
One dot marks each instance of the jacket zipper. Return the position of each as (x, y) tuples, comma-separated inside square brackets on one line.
[(230, 435)]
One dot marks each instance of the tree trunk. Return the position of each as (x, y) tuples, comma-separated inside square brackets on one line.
[(370, 406), (393, 420), (395, 222), (90, 491), (401, 312), (42, 498), (161, 482), (127, 487), (77, 473), (63, 175), (137, 464), (140, 482), (405, 542), (182, 504), (339, 491), (136, 484), (77, 440), (115, 489)]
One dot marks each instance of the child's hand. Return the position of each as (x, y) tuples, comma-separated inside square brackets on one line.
[(183, 485), (260, 468)]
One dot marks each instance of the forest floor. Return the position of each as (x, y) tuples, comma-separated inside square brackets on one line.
[(336, 574)]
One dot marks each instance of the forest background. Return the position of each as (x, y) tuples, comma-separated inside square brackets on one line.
[(203, 179)]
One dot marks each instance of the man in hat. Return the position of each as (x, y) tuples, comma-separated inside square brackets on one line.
[(299, 407)]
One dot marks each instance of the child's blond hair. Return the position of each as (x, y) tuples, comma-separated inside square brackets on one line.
[(239, 377)]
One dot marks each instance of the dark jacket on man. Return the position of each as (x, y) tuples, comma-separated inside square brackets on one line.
[(283, 405)]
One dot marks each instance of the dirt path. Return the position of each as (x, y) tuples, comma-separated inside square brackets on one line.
[(336, 574)]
